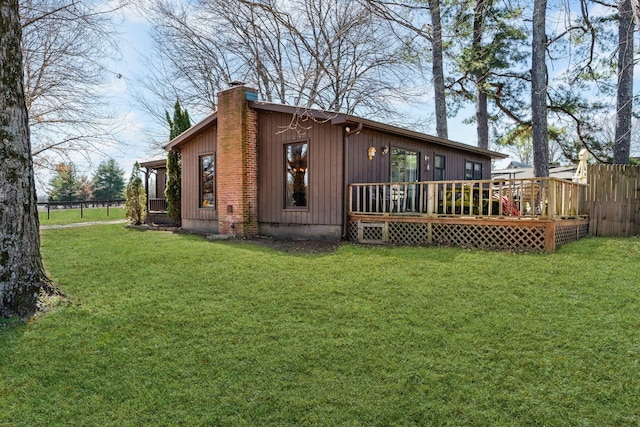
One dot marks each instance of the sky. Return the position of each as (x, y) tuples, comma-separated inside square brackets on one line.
[(139, 130)]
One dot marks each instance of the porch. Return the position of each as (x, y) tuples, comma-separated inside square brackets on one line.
[(155, 183), (536, 214)]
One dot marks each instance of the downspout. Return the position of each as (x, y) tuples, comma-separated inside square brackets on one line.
[(345, 173)]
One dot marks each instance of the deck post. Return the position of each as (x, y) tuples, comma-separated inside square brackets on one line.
[(431, 198), (552, 198), (550, 237)]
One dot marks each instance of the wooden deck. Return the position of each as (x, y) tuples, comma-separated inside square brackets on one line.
[(519, 214)]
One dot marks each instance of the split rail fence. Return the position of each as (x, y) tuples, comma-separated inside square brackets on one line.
[(80, 204)]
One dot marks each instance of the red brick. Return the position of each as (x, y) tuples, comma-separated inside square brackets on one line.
[(237, 165)]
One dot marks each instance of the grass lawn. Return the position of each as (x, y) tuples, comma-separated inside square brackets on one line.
[(70, 216), (168, 329)]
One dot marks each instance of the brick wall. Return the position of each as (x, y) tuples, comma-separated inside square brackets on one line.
[(237, 165), (251, 173)]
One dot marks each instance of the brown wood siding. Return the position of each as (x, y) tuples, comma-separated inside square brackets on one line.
[(203, 143), (325, 197), (455, 163), (378, 169)]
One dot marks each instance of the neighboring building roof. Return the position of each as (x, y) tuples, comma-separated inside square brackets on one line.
[(561, 172), (334, 118), (515, 164)]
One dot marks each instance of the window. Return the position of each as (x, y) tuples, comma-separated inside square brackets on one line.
[(473, 170), (207, 182), (297, 175), (439, 165), (404, 165)]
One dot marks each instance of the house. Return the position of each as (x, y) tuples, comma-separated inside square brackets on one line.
[(259, 168), (521, 170)]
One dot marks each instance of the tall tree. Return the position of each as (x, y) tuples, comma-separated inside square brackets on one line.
[(635, 5), (581, 53), (488, 52), (173, 190), (409, 16), (624, 110), (108, 181), (64, 185), (22, 276), (328, 54), (65, 46), (85, 188), (480, 74), (539, 90), (437, 68)]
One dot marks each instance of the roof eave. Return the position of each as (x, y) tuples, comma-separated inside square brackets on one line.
[(193, 130), (154, 164), (320, 115), (334, 118), (347, 119)]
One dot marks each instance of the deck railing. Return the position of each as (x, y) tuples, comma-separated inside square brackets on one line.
[(524, 198), (157, 205)]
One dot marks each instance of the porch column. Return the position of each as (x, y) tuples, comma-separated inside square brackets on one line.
[(146, 187)]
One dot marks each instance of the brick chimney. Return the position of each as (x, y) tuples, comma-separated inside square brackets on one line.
[(237, 162)]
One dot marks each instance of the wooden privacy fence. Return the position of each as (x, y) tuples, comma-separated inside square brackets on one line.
[(613, 200)]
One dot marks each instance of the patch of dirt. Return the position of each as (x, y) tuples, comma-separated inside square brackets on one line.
[(281, 245), (293, 246)]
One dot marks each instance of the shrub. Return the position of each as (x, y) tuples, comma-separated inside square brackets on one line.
[(136, 203)]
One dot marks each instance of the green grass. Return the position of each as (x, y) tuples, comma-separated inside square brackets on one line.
[(168, 329), (70, 216)]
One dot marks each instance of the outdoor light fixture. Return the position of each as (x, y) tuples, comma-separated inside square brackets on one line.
[(385, 150), (371, 152)]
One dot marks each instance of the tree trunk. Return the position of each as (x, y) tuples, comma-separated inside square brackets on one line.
[(438, 70), (21, 274), (635, 5), (482, 114), (539, 90), (622, 144)]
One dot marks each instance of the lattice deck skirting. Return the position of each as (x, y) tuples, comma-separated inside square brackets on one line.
[(507, 234), (570, 233)]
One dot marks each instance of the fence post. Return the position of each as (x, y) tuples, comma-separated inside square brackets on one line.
[(48, 211), (108, 203)]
